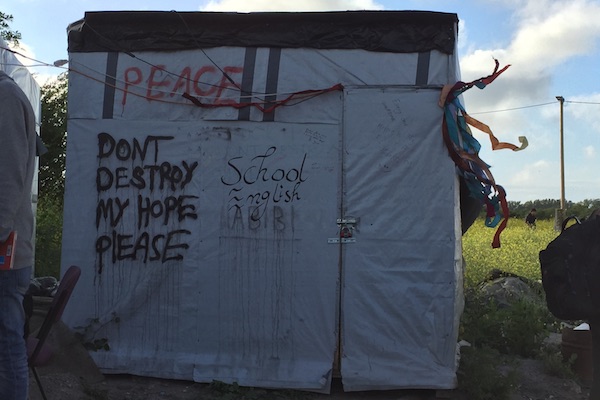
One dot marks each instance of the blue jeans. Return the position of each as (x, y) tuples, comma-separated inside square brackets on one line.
[(14, 371)]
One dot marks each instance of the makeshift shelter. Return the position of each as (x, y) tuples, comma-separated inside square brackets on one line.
[(265, 198)]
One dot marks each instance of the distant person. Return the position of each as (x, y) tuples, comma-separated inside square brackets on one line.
[(531, 217), (17, 165)]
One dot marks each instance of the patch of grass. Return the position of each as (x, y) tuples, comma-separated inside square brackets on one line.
[(518, 253), (555, 365), (498, 334), (480, 376), (233, 391)]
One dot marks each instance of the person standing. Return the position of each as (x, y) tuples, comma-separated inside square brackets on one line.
[(17, 164), (531, 217)]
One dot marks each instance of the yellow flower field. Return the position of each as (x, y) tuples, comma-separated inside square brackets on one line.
[(518, 254)]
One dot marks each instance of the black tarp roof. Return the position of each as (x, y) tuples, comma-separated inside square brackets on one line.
[(385, 31)]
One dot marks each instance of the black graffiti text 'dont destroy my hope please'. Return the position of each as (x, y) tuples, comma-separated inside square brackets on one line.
[(151, 212)]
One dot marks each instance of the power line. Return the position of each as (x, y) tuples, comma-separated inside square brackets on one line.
[(582, 102), (513, 109), (252, 94), (39, 63), (534, 105)]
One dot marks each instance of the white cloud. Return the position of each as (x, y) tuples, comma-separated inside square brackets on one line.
[(535, 180), (531, 173), (463, 34), (589, 151), (584, 108), (548, 32), (286, 5), (555, 32)]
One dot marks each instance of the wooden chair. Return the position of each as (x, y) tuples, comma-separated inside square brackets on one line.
[(36, 352)]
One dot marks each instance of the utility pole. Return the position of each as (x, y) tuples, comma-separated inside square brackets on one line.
[(560, 213)]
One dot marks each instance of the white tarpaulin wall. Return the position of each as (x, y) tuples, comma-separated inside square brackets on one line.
[(210, 237), (12, 67)]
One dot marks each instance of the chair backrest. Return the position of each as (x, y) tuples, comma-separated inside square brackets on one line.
[(55, 312)]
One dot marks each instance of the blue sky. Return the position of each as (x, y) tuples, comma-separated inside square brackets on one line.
[(552, 46)]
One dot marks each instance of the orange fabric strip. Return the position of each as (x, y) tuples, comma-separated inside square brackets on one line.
[(496, 144)]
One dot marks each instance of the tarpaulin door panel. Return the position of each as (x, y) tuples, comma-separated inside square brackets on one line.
[(269, 299), (398, 276)]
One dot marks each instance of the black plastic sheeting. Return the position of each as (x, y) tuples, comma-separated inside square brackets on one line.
[(383, 31)]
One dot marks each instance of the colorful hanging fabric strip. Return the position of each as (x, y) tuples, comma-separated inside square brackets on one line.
[(464, 151)]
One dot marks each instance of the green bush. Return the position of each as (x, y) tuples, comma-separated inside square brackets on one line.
[(519, 329), (524, 328), (48, 237), (495, 334)]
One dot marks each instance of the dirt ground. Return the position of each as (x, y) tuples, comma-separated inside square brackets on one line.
[(534, 385), (71, 375)]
